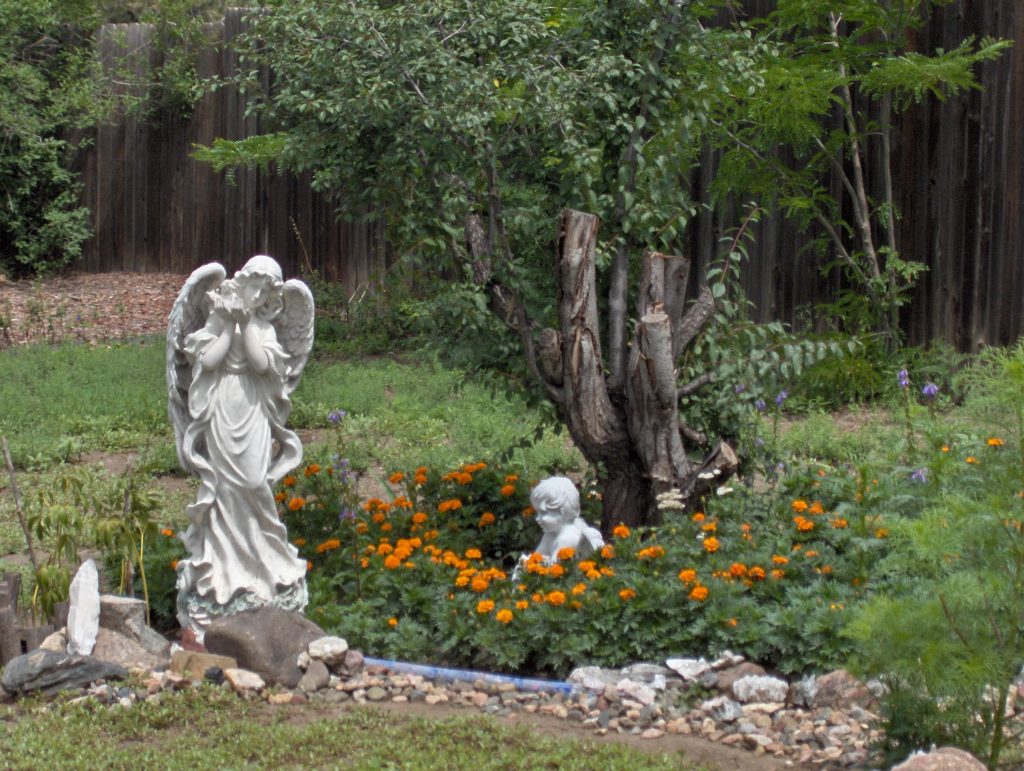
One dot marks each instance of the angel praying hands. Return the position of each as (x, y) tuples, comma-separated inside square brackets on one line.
[(235, 351)]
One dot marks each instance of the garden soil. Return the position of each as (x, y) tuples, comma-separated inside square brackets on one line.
[(97, 308)]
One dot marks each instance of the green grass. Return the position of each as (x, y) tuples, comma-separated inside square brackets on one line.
[(212, 728)]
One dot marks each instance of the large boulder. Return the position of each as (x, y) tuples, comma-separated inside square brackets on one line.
[(119, 649), (50, 672), (942, 759), (264, 640)]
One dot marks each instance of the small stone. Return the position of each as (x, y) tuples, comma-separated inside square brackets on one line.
[(726, 677), (316, 677), (376, 693), (330, 650), (214, 675), (637, 691), (652, 733), (279, 698), (689, 669), (242, 680), (723, 708), (760, 688), (435, 698)]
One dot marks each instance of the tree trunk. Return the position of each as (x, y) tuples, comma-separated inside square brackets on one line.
[(635, 440)]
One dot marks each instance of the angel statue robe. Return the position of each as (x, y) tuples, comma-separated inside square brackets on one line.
[(237, 441)]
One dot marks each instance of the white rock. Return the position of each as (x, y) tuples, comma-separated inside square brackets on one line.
[(760, 688), (304, 660), (640, 692), (84, 610), (689, 669), (727, 659), (722, 708), (591, 678), (56, 642), (243, 680), (330, 650)]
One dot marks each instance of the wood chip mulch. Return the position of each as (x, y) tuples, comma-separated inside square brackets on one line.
[(86, 307)]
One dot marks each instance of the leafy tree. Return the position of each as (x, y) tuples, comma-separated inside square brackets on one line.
[(827, 81), (49, 85), (470, 124)]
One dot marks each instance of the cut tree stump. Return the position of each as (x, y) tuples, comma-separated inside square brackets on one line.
[(17, 639)]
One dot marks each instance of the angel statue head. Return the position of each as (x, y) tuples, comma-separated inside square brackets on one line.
[(235, 351)]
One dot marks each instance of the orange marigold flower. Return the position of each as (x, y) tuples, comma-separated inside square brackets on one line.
[(299, 541), (556, 571), (651, 552), (810, 553), (777, 574), (392, 621), (745, 527), (535, 558), (593, 575), (778, 559), (839, 523), (586, 566), (565, 553), (607, 571), (881, 532), (487, 518), (397, 477), (687, 575), (462, 581), (627, 594), (709, 527), (168, 532), (361, 527), (621, 531), (450, 505), (379, 517), (485, 606), (698, 517), (737, 570), (556, 598), (296, 503), (329, 545), (537, 597), (288, 481), (945, 448), (479, 584), (995, 441), (309, 566), (312, 470), (522, 605), (511, 478), (970, 459), (579, 589), (732, 622), (711, 544), (699, 593), (508, 490), (504, 615), (402, 502), (803, 524), (607, 551), (799, 506), (816, 508), (386, 527), (419, 518), (280, 497), (391, 562), (174, 564), (473, 554), (756, 573)]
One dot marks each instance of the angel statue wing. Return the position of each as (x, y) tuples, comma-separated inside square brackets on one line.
[(188, 314), (294, 327)]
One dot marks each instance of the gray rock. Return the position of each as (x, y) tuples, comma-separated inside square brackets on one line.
[(593, 678), (317, 677), (376, 693), (127, 616), (330, 650), (646, 673), (50, 672), (689, 669), (723, 709), (841, 689), (640, 692), (118, 649), (760, 688), (83, 609), (803, 692), (943, 759), (266, 640)]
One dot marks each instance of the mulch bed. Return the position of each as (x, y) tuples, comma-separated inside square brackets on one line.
[(87, 307)]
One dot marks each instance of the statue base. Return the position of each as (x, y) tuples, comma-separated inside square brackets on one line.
[(196, 612)]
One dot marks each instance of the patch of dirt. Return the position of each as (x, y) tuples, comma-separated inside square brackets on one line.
[(88, 307)]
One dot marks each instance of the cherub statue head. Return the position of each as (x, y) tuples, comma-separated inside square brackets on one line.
[(258, 286), (557, 503)]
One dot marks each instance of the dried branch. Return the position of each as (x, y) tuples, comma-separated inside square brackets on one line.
[(17, 504)]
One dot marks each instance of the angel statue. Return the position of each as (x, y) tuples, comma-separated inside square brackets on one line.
[(235, 351)]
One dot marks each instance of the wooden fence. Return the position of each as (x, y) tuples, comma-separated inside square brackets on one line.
[(157, 209), (959, 177)]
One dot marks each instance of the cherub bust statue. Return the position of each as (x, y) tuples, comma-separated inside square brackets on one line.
[(235, 351), (557, 503)]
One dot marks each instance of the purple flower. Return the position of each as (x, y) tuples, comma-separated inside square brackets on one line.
[(336, 416), (740, 388), (783, 395), (920, 476), (930, 390), (903, 378), (759, 404), (346, 513)]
